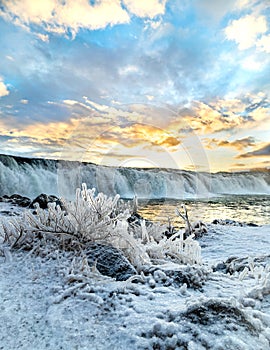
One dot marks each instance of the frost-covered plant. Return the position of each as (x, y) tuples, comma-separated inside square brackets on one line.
[(186, 251), (196, 229), (261, 273), (89, 218), (97, 218)]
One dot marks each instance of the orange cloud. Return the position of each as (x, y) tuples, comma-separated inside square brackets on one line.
[(224, 115), (239, 144), (260, 152), (137, 134), (170, 142), (205, 119)]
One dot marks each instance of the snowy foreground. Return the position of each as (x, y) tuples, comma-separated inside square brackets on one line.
[(56, 302)]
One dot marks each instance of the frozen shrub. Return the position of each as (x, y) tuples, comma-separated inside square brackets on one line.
[(92, 218)]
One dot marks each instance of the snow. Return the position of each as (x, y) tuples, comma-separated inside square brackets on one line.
[(224, 241), (57, 302)]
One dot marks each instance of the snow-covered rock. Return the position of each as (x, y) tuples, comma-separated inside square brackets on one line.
[(110, 261)]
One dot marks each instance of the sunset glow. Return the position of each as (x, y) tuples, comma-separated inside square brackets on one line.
[(157, 83)]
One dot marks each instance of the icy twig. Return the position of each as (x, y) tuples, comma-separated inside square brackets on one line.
[(7, 254), (185, 217)]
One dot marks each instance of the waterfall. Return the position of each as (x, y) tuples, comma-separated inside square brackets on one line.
[(30, 177)]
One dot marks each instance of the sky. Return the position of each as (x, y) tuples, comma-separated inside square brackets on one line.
[(145, 83)]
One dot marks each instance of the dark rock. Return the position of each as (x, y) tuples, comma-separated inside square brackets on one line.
[(110, 261), (235, 264), (199, 324), (16, 199), (213, 311), (135, 223), (169, 232), (252, 224), (199, 229), (135, 219), (221, 267), (20, 200), (228, 222), (43, 200), (193, 276)]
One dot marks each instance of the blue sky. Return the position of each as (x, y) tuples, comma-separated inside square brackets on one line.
[(169, 83)]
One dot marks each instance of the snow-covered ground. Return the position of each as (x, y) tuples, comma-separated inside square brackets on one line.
[(57, 302)]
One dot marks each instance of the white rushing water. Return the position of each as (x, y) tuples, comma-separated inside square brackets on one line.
[(30, 177)]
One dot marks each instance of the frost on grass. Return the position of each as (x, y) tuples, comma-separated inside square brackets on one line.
[(257, 269), (97, 219)]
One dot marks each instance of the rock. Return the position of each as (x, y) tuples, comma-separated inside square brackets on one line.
[(235, 264), (135, 219), (228, 222), (16, 199), (199, 229), (43, 200), (252, 224), (220, 267), (110, 261), (213, 310), (192, 276), (135, 222)]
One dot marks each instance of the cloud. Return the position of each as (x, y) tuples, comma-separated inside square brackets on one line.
[(67, 17), (92, 131), (38, 139), (24, 101), (99, 132), (3, 89), (246, 31), (206, 119), (149, 8), (137, 134), (239, 165), (261, 152), (62, 16), (43, 37), (170, 142), (130, 69), (259, 117), (10, 58), (238, 144), (240, 4), (263, 43), (124, 68), (246, 111), (252, 63), (250, 165), (214, 10), (38, 130)]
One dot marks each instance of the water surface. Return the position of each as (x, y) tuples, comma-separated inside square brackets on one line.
[(244, 208)]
